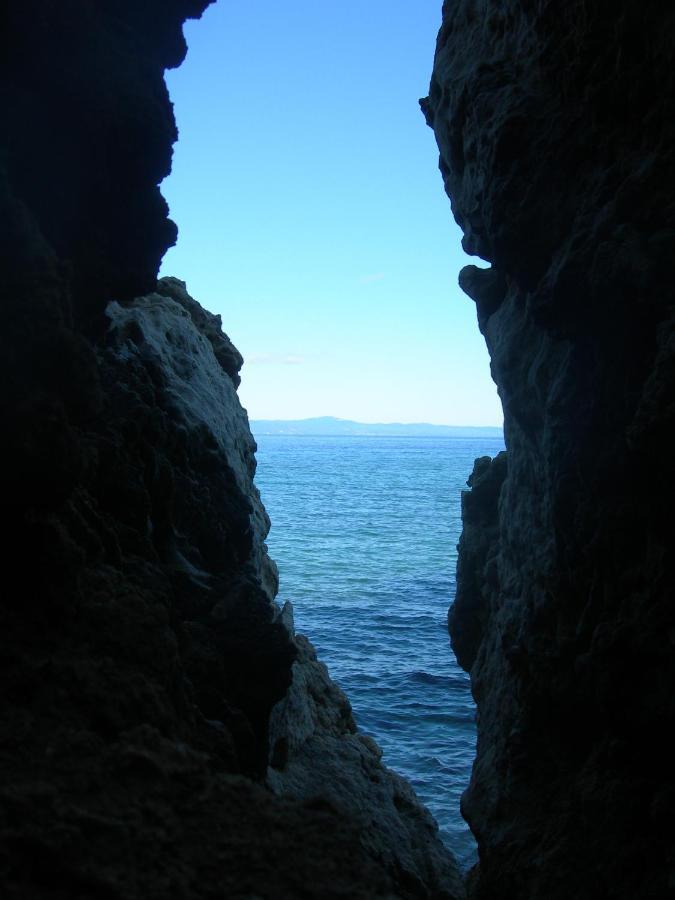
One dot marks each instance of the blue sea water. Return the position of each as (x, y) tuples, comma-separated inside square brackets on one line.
[(364, 531)]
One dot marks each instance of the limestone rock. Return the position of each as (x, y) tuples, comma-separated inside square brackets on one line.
[(173, 334), (135, 729), (208, 324), (556, 129)]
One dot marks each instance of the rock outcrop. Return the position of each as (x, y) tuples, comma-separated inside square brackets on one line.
[(555, 124), (142, 654), (136, 725), (316, 751)]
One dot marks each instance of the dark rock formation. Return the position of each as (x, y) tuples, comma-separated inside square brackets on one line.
[(142, 654), (476, 557), (555, 124)]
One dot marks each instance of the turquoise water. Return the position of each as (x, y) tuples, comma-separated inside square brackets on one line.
[(364, 531)]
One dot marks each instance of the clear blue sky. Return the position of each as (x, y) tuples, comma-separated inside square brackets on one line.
[(312, 215)]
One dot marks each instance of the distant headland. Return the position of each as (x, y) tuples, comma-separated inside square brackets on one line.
[(329, 425)]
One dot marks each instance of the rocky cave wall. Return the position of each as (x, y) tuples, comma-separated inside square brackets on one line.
[(555, 124), (163, 732)]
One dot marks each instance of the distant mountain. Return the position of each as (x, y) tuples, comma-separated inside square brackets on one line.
[(329, 425)]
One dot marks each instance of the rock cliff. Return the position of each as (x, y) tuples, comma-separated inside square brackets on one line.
[(555, 124), (149, 742)]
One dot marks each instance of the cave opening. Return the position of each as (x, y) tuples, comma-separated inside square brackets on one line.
[(164, 730), (312, 218)]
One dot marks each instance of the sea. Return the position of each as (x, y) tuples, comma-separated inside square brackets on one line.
[(365, 532)]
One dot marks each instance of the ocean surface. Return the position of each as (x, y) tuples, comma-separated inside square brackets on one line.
[(364, 531)]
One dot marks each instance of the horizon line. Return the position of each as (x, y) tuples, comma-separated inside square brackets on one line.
[(358, 422)]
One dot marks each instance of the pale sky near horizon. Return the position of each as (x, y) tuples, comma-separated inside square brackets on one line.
[(312, 215)]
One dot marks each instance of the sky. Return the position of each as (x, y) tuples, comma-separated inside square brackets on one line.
[(312, 214)]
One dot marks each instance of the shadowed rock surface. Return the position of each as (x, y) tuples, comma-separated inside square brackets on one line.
[(316, 750), (555, 124), (141, 652)]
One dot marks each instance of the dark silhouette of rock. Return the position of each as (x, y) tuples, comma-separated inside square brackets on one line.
[(476, 558), (555, 124), (141, 652)]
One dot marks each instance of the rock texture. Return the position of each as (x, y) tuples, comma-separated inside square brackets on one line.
[(316, 751), (141, 652), (136, 716), (555, 124)]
